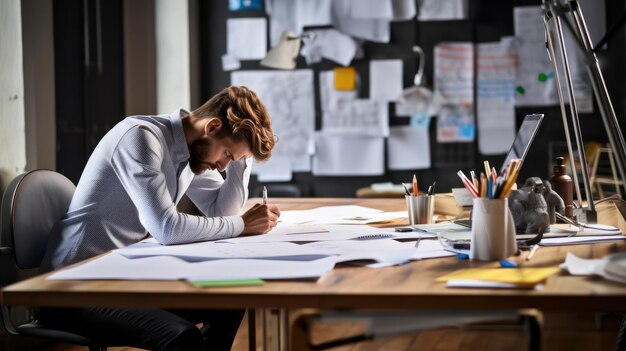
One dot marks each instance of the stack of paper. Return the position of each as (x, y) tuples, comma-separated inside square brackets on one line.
[(497, 277)]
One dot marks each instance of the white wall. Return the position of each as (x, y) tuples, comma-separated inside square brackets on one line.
[(39, 98), (172, 47), (12, 134)]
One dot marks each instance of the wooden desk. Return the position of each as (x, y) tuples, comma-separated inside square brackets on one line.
[(409, 286)]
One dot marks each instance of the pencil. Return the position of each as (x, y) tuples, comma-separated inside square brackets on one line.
[(415, 191), (467, 183), (487, 168)]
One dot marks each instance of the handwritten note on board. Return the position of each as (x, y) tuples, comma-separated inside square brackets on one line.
[(288, 95), (496, 64)]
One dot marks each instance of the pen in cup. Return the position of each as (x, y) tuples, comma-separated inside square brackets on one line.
[(264, 195), (406, 190)]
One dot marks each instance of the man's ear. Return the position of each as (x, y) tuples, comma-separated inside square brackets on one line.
[(213, 126)]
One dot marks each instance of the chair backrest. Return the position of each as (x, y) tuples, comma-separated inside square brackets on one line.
[(32, 203), (278, 190)]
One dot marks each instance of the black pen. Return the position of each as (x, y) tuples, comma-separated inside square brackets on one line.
[(406, 190), (413, 229), (431, 189)]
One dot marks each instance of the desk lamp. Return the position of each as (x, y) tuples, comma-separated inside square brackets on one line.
[(283, 54), (569, 14)]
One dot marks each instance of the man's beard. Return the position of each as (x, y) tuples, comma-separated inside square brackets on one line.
[(197, 153)]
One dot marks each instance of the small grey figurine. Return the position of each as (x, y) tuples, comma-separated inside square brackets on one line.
[(529, 208)]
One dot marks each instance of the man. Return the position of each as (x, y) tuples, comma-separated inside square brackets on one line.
[(129, 189)]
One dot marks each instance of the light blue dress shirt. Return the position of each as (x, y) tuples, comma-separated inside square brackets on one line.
[(131, 185)]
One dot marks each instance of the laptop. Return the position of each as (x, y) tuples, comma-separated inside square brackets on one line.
[(519, 149)]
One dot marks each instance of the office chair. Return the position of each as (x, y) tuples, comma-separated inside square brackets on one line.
[(31, 204), (278, 190)]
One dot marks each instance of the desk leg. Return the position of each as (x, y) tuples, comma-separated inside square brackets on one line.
[(264, 328), (283, 325), (276, 330), (251, 329)]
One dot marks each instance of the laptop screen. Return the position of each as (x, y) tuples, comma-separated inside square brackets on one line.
[(523, 139)]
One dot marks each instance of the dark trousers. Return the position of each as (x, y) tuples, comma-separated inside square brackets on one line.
[(151, 329)]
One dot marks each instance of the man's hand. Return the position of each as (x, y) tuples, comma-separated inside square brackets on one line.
[(260, 219)]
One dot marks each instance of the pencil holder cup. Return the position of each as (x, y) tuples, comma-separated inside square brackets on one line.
[(420, 208), (493, 230)]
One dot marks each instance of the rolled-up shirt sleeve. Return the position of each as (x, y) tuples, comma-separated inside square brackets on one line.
[(215, 196), (137, 161)]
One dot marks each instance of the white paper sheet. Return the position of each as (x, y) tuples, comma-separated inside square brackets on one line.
[(293, 15), (579, 266), (581, 240), (371, 9), (385, 251), (230, 62), (408, 148), (376, 30), (454, 81), (289, 98), (360, 117), (428, 249), (339, 215), (279, 170), (246, 38), (330, 44), (336, 155), (206, 251), (495, 102), (385, 80), (330, 98), (283, 228), (431, 10), (454, 72), (114, 266), (334, 232)]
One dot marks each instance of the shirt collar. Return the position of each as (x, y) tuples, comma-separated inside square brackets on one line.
[(180, 149)]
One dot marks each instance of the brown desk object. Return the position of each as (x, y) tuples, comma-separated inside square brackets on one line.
[(410, 286)]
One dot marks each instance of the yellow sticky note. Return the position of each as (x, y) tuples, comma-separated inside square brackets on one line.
[(522, 276), (345, 78)]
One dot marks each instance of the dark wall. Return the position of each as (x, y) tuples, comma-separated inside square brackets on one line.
[(489, 20), (89, 78)]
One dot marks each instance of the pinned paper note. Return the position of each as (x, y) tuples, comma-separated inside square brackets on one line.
[(408, 148), (294, 121), (345, 78), (328, 161), (246, 38), (330, 44), (230, 62), (385, 80), (495, 95), (434, 10)]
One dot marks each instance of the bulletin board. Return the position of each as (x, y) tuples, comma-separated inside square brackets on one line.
[(487, 21)]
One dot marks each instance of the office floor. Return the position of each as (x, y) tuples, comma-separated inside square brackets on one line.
[(561, 332)]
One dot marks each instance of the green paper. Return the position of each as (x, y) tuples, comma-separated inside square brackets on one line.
[(227, 282)]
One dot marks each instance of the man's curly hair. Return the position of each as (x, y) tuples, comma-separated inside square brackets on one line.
[(244, 117)]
